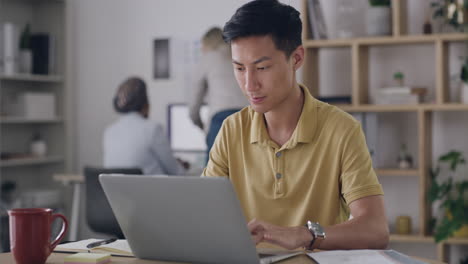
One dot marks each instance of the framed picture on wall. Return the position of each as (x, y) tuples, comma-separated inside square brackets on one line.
[(161, 59)]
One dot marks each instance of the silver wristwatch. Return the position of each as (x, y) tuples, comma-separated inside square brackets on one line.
[(318, 234)]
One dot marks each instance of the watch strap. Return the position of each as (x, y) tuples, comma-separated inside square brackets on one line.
[(313, 236)]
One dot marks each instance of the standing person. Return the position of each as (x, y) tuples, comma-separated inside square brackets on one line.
[(133, 141), (215, 82), (300, 167)]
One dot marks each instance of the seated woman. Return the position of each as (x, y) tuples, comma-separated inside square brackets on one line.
[(133, 140)]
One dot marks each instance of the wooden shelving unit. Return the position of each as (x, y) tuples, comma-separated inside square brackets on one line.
[(50, 17), (359, 50)]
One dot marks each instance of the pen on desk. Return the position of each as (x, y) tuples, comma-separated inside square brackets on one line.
[(100, 243)]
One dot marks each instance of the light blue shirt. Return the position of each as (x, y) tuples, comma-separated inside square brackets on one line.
[(135, 142)]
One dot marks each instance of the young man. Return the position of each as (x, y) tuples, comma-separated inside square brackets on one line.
[(299, 166)]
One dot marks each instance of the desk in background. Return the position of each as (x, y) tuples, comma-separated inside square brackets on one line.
[(77, 181)]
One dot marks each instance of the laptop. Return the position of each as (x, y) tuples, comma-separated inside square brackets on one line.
[(187, 219)]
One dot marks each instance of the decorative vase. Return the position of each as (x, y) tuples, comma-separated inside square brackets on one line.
[(38, 146), (462, 232), (378, 21), (403, 225), (25, 61)]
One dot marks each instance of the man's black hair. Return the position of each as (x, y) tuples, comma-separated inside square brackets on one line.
[(266, 17)]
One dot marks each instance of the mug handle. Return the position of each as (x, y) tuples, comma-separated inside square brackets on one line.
[(62, 231)]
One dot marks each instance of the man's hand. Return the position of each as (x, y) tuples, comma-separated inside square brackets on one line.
[(286, 237)]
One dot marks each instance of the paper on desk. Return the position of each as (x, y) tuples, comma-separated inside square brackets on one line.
[(361, 257), (268, 256), (119, 247)]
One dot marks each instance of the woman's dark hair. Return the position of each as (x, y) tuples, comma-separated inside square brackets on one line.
[(266, 17), (131, 96)]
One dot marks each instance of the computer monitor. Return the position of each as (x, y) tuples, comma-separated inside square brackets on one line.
[(183, 134)]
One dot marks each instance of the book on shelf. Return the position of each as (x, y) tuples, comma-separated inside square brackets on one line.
[(404, 90), (317, 24), (400, 95), (119, 247), (335, 99)]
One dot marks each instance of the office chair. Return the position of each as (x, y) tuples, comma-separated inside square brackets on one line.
[(99, 214)]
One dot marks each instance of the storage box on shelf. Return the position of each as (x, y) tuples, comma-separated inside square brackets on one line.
[(359, 49)]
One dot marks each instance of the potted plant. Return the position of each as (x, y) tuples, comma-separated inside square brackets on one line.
[(452, 12), (452, 196), (379, 18), (399, 77), (25, 52)]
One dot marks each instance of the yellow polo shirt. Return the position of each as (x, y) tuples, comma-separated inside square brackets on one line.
[(315, 175)]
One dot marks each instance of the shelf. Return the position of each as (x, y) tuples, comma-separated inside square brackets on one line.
[(426, 239), (366, 41), (30, 161), (397, 172), (411, 238), (31, 77), (361, 61), (457, 241), (403, 108), (380, 108), (22, 120), (447, 107)]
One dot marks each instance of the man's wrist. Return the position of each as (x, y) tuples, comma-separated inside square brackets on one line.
[(307, 237)]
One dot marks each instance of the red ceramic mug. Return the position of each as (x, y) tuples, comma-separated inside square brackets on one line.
[(30, 232)]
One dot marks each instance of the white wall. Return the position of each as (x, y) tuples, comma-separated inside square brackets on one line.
[(112, 39)]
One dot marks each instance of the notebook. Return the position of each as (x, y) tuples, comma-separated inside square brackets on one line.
[(186, 219), (116, 248)]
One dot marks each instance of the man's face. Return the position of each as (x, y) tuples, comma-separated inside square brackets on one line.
[(264, 74)]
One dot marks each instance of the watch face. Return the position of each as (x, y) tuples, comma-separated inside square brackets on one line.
[(318, 230)]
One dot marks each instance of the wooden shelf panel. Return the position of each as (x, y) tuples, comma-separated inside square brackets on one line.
[(390, 40), (22, 120), (329, 43), (457, 241), (447, 107), (411, 238), (380, 108), (396, 172), (426, 239), (30, 161), (403, 108), (31, 77)]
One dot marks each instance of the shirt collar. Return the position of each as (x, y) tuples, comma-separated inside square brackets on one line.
[(305, 129)]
